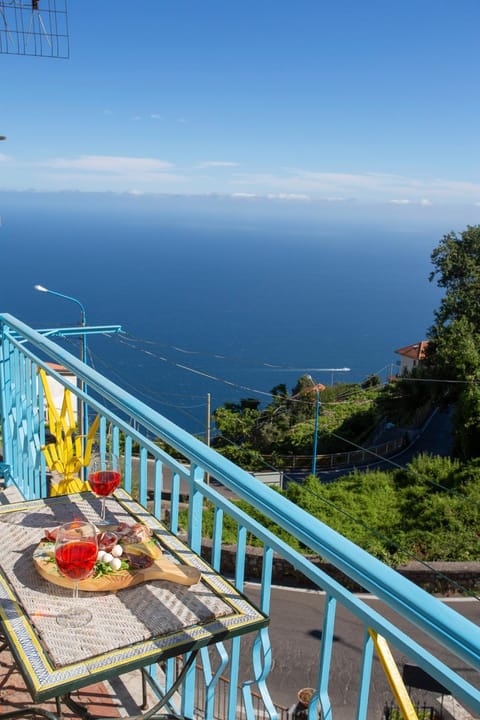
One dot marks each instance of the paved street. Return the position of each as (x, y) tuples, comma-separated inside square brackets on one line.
[(297, 615), (295, 634), (435, 439)]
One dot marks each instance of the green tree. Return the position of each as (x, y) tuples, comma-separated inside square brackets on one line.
[(466, 422), (454, 350), (236, 424), (371, 381), (285, 426), (454, 347), (456, 263)]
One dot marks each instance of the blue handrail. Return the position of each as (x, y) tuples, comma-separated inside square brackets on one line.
[(448, 628)]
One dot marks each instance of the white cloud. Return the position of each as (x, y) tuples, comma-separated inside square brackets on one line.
[(216, 163), (287, 196), (269, 196), (326, 183), (423, 201), (99, 173), (370, 186), (156, 116), (110, 164), (122, 173)]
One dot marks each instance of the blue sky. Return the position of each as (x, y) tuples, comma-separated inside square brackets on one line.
[(365, 102)]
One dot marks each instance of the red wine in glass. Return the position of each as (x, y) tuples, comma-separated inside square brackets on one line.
[(76, 559), (76, 552), (104, 476), (104, 482)]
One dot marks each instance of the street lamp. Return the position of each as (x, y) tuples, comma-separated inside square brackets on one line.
[(317, 389), (83, 347)]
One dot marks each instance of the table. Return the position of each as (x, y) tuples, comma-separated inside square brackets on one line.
[(131, 629)]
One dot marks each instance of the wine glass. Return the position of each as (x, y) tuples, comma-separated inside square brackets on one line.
[(104, 476), (76, 552)]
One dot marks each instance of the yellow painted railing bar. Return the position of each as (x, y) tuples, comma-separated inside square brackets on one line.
[(393, 676)]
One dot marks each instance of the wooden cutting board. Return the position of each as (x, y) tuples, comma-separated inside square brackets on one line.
[(161, 569)]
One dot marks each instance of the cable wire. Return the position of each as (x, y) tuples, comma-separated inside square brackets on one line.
[(292, 399), (372, 531)]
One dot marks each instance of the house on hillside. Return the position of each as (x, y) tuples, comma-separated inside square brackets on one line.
[(411, 356)]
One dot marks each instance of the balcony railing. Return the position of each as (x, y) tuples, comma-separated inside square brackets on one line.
[(418, 628)]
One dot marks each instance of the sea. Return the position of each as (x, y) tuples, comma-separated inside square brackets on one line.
[(221, 298)]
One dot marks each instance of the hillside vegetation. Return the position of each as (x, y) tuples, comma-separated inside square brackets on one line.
[(428, 510), (255, 438)]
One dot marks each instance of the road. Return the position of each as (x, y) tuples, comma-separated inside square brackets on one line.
[(297, 615), (295, 635), (435, 438)]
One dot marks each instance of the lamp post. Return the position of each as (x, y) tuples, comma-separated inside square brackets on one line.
[(83, 348), (317, 389)]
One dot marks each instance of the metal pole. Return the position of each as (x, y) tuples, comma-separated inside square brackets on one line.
[(82, 410), (207, 475), (315, 432), (317, 388)]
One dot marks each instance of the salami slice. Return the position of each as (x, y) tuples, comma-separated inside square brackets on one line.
[(138, 562), (106, 541), (133, 534), (51, 535)]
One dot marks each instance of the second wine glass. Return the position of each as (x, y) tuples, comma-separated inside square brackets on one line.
[(104, 476), (75, 555)]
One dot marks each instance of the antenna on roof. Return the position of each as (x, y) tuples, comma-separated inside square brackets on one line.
[(34, 27)]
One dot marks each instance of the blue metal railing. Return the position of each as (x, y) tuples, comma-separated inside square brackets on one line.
[(131, 427)]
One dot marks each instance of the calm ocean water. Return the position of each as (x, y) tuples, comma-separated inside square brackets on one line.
[(220, 293)]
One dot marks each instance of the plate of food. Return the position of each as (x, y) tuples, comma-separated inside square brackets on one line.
[(127, 556)]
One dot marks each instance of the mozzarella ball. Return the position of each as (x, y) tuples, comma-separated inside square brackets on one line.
[(115, 563), (117, 551)]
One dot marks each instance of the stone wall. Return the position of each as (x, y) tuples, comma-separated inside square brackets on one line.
[(445, 578)]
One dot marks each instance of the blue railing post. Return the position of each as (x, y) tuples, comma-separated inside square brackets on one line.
[(23, 351)]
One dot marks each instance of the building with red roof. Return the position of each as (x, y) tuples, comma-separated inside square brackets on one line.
[(412, 356)]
